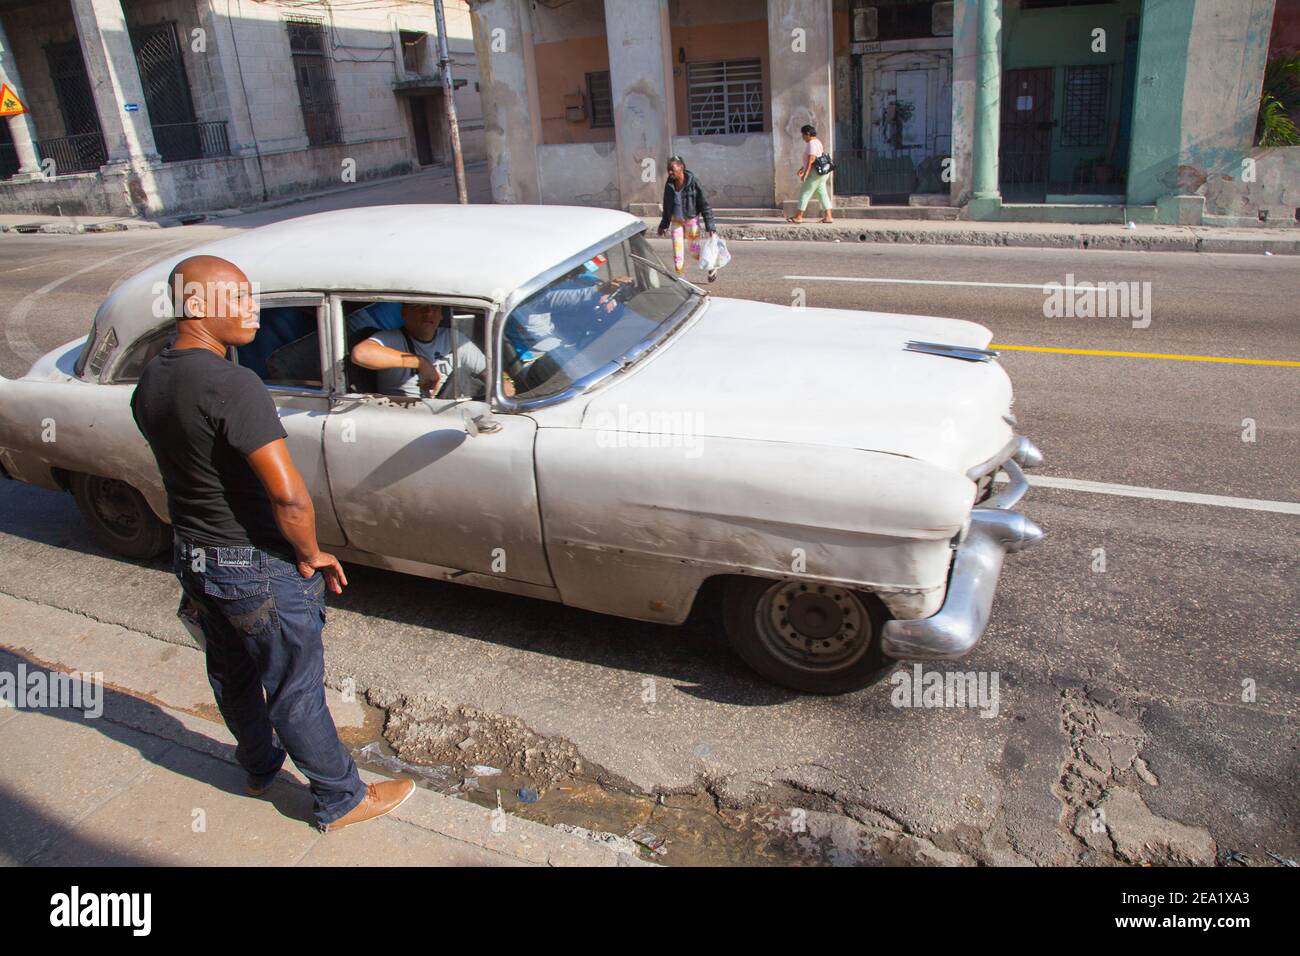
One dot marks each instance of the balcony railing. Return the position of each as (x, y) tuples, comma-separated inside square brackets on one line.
[(177, 142), (82, 153)]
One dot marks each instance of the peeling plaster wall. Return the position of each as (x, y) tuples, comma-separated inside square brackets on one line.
[(965, 40), (735, 170), (511, 116), (1275, 192), (801, 85), (1200, 68), (643, 106), (583, 174)]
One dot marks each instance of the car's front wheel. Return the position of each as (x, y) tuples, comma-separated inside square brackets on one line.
[(119, 517), (817, 638)]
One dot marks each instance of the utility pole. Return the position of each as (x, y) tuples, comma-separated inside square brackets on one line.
[(449, 99)]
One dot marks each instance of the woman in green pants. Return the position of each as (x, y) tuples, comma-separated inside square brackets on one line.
[(813, 183)]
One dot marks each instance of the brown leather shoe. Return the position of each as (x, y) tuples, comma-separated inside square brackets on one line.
[(380, 798)]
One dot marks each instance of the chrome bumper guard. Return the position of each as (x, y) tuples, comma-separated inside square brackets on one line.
[(994, 531)]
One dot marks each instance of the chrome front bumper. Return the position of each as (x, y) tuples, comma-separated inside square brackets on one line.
[(994, 531)]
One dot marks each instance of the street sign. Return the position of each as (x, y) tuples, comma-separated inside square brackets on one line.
[(10, 104)]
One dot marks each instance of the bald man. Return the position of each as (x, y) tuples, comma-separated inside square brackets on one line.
[(246, 552)]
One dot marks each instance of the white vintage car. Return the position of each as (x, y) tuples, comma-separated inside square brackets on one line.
[(828, 474)]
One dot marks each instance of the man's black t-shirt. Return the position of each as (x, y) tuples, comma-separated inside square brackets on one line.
[(202, 416)]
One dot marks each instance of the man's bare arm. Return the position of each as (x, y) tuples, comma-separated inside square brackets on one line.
[(375, 355), (294, 514)]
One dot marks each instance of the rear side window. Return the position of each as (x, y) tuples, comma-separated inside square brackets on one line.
[(139, 355), (286, 350)]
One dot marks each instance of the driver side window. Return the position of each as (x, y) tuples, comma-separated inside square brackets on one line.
[(449, 338)]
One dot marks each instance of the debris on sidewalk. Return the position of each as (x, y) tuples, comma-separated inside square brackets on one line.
[(611, 840), (372, 756)]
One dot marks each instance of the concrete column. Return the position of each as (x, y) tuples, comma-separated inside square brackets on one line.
[(21, 127), (965, 43), (801, 64), (218, 18), (503, 43), (115, 81), (637, 32), (1200, 68), (986, 198)]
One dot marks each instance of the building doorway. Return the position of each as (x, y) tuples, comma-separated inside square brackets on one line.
[(1025, 138), (426, 128), (908, 123)]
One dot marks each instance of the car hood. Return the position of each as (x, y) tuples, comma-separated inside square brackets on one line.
[(752, 370)]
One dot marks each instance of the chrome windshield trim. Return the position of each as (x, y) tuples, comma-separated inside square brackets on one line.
[(504, 402)]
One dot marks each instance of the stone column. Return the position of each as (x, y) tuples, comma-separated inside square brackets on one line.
[(801, 65), (986, 199), (637, 32), (115, 81), (21, 127), (218, 19), (503, 43)]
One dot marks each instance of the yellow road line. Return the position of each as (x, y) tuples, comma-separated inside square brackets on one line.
[(1147, 355)]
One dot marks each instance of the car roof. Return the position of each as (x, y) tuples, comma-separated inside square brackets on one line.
[(476, 251)]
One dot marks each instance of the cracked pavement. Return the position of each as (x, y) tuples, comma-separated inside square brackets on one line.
[(1121, 692)]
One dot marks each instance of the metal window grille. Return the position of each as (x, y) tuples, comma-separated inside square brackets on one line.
[(167, 92), (82, 148), (1087, 89), (601, 99), (311, 72), (725, 96)]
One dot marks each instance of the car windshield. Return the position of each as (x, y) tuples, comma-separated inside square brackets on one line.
[(589, 317)]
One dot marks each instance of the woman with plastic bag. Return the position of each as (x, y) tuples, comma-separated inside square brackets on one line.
[(684, 205)]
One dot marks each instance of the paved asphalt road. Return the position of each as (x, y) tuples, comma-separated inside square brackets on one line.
[(1120, 688)]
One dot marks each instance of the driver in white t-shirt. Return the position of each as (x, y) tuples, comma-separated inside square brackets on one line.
[(416, 359)]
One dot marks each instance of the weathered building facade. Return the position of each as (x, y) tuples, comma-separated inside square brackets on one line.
[(155, 107), (1072, 110)]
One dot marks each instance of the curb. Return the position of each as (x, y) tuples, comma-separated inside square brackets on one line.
[(1011, 238)]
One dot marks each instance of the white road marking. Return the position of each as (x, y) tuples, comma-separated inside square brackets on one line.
[(1159, 494), (1040, 286), (16, 337)]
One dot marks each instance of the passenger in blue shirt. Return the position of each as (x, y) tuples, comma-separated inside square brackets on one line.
[(561, 312)]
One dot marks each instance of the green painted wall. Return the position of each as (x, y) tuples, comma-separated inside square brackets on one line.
[(1158, 103), (1062, 36)]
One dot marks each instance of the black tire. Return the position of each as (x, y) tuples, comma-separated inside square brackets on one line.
[(119, 517), (839, 630)]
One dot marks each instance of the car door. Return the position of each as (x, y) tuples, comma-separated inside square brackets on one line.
[(412, 481), (290, 335)]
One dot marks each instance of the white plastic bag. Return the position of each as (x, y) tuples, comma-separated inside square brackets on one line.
[(713, 253)]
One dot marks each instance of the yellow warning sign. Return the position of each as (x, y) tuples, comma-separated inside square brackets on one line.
[(10, 104)]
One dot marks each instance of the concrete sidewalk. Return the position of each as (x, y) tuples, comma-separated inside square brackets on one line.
[(436, 185), (152, 779)]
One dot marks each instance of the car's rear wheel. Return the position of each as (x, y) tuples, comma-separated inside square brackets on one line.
[(119, 517), (817, 638)]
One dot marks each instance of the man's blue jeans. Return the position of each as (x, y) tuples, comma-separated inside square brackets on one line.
[(262, 622)]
